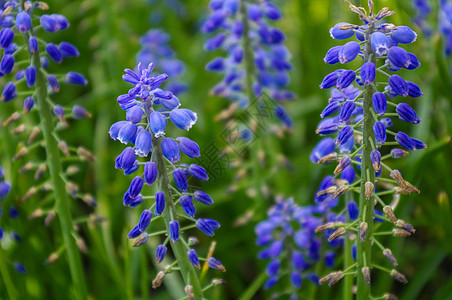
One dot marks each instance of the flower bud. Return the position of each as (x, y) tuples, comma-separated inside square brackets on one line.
[(188, 147), (170, 150), (349, 52), (325, 227), (398, 85), (375, 157), (398, 276), (346, 78), (193, 257), (202, 197), (390, 214), (145, 219), (407, 114), (347, 110), (336, 234), (332, 56), (158, 280), (388, 254), (341, 34), (159, 203), (215, 264), (363, 231), (180, 179), (366, 274), (345, 134), (158, 123), (404, 35), (379, 43), (399, 57), (174, 230), (368, 73), (344, 162), (189, 291), (187, 205), (380, 132), (143, 143)]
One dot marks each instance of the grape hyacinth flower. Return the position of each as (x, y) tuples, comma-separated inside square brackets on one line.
[(361, 136), (154, 160), (24, 67), (445, 24), (290, 242), (155, 48), (257, 60), (255, 74)]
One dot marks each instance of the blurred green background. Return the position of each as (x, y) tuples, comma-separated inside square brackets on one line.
[(107, 34)]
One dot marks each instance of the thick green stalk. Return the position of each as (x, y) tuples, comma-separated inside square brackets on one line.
[(252, 105), (54, 165), (186, 268), (7, 280), (366, 207)]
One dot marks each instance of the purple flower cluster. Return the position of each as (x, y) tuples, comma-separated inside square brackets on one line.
[(155, 48), (359, 117), (445, 23), (271, 57), (16, 23), (290, 241), (13, 214), (148, 110), (423, 9)]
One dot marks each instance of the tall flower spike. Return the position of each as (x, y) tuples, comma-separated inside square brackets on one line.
[(255, 78), (148, 108), (21, 26), (289, 241), (155, 48), (363, 133)]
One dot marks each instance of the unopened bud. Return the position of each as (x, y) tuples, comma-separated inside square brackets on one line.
[(369, 189), (325, 278), (22, 152), (81, 245), (363, 231), (141, 240), (389, 213), (85, 154), (189, 292), (218, 281), (41, 169), (366, 274), (49, 218), (335, 278), (19, 129), (36, 214), (71, 170), (13, 118), (400, 232), (52, 258), (89, 199), (388, 254), (398, 276), (72, 189), (34, 134), (383, 13), (336, 234), (158, 280), (325, 227), (340, 191), (388, 296), (27, 167), (42, 5), (7, 10), (404, 225), (403, 184), (64, 148), (30, 193), (330, 190), (328, 158), (192, 241)]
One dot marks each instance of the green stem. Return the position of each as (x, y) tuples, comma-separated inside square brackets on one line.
[(366, 207), (54, 165), (9, 284), (187, 270), (253, 107)]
